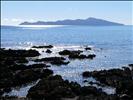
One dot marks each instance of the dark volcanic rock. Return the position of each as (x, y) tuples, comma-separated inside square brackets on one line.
[(76, 54), (99, 97), (55, 88), (88, 48), (54, 60), (68, 52), (49, 59), (19, 53), (48, 51), (86, 74), (38, 66), (131, 65), (46, 46), (60, 62), (13, 74), (52, 88), (24, 67), (31, 75), (121, 79), (91, 56)]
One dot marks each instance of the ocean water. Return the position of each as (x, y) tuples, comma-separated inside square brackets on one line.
[(116, 42), (113, 46)]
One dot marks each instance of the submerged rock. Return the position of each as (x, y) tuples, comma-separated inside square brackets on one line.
[(46, 46)]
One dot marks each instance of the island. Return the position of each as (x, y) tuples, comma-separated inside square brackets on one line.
[(89, 21)]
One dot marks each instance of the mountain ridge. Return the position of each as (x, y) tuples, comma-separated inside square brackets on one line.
[(89, 21)]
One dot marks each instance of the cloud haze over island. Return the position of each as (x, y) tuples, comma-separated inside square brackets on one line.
[(16, 12)]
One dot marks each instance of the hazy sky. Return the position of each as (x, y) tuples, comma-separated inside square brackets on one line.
[(15, 12)]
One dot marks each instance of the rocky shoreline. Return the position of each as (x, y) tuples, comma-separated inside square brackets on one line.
[(14, 72)]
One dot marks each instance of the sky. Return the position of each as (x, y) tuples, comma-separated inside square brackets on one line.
[(15, 12)]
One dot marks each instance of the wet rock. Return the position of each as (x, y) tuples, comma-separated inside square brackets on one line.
[(38, 66), (12, 60), (52, 88), (24, 67), (46, 73), (121, 79), (21, 60), (68, 52), (125, 97), (90, 90), (48, 51), (125, 89), (46, 46), (86, 74), (110, 77), (76, 54), (19, 53), (91, 56), (55, 88), (59, 62), (13, 73), (16, 67), (131, 65), (54, 60), (26, 76), (49, 59), (99, 97), (11, 98), (29, 75), (88, 48)]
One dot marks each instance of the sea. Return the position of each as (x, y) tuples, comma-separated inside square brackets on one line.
[(113, 46)]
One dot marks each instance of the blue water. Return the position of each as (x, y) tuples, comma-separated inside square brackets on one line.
[(115, 41), (113, 45)]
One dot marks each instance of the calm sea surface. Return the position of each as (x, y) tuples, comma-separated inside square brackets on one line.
[(113, 45)]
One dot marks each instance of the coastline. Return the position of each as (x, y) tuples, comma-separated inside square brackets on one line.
[(94, 84)]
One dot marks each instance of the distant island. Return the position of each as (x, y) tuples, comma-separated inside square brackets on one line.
[(89, 21)]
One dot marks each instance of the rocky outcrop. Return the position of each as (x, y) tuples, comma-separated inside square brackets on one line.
[(18, 53), (68, 52), (14, 73), (54, 60), (76, 54), (48, 51), (55, 88), (121, 79), (45, 46)]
